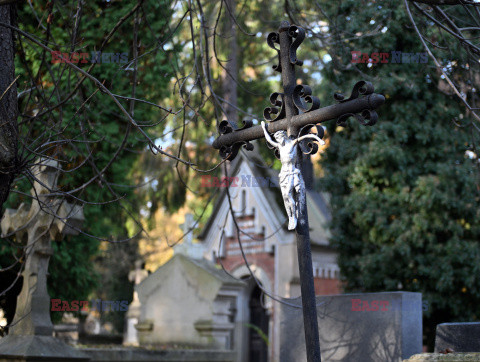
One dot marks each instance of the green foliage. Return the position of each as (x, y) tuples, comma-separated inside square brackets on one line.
[(97, 131), (404, 200), (70, 274)]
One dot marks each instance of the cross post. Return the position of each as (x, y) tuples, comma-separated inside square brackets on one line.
[(294, 113)]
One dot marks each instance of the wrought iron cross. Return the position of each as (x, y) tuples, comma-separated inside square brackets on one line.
[(295, 112)]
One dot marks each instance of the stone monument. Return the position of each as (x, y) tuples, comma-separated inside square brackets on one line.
[(136, 276), (364, 327), (458, 337), (31, 332)]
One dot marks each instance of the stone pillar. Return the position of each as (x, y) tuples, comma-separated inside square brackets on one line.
[(130, 337)]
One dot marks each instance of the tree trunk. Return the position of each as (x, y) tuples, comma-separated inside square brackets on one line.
[(8, 103), (230, 73)]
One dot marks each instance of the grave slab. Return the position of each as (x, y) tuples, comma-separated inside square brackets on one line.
[(368, 327), (460, 337), (450, 357)]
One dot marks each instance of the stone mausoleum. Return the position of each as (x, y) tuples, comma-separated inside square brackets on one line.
[(205, 296)]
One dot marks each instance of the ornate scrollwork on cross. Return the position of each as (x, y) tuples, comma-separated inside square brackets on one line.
[(278, 109), (360, 88), (298, 35), (305, 102), (367, 117), (309, 146), (231, 151), (302, 95), (272, 39), (294, 111)]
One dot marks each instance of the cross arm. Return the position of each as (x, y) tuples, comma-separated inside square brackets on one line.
[(362, 108)]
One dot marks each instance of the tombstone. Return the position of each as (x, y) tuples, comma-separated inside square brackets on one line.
[(459, 337), (68, 329), (136, 276), (368, 327), (31, 332), (91, 325)]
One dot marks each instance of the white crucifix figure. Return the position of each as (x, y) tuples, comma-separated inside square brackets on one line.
[(290, 176)]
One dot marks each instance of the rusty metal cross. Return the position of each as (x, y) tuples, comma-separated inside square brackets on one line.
[(297, 111), (295, 99)]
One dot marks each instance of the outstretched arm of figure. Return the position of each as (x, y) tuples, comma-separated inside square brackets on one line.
[(315, 137), (267, 136)]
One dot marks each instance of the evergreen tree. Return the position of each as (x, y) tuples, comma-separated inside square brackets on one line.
[(88, 131), (404, 200)]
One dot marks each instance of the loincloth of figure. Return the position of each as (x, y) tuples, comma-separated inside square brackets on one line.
[(290, 179)]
